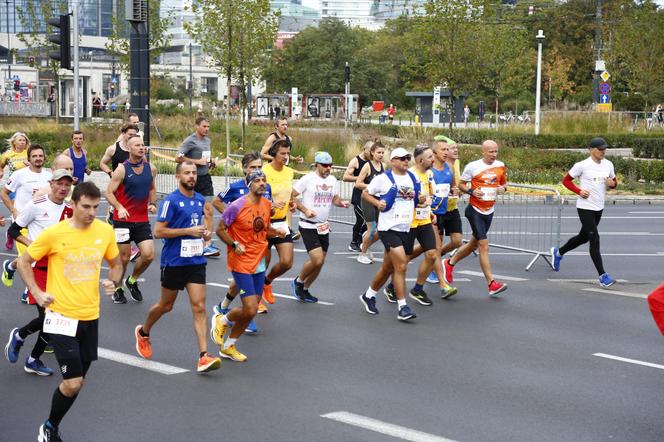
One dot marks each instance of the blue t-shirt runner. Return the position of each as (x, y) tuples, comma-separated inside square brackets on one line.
[(180, 212), (238, 189), (441, 191)]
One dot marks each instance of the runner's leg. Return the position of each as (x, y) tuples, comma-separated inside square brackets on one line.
[(197, 294), (163, 306)]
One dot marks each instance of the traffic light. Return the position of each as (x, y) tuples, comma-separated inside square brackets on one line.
[(347, 73), (63, 39), (17, 85)]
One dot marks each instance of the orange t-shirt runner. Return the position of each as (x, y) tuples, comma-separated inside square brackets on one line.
[(247, 224), (487, 178)]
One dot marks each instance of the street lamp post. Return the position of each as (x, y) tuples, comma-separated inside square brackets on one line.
[(9, 50), (540, 39)]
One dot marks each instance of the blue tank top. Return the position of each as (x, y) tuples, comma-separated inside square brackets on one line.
[(440, 177), (80, 164)]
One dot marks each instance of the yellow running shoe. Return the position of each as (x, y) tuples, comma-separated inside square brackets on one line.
[(217, 329), (262, 308), (232, 354), (207, 363), (447, 291)]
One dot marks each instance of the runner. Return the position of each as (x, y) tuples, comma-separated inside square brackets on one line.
[(78, 154), (180, 225), (319, 190), (118, 153), (481, 179), (14, 158), (250, 162), (595, 174), (280, 178), (395, 194), (37, 215), (196, 148), (131, 193), (350, 175), (280, 129), (369, 171), (75, 249), (244, 227)]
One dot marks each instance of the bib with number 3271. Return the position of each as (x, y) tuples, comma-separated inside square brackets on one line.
[(57, 324)]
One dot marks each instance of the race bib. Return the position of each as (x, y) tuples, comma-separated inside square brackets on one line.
[(281, 225), (599, 178), (55, 323), (442, 190), (489, 193), (323, 228), (403, 212), (191, 247), (121, 235), (423, 213), (206, 154)]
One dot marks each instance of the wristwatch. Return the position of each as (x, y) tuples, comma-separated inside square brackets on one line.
[(234, 245)]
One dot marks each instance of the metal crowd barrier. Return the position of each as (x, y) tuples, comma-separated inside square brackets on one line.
[(163, 159)]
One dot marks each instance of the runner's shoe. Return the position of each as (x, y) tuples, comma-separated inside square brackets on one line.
[(219, 310), (447, 291), (296, 236), (496, 287), (262, 308), (606, 280), (119, 296), (252, 328), (309, 298), (298, 290), (135, 253), (143, 345), (218, 329), (207, 363), (432, 278), (389, 294), (369, 304), (354, 247), (232, 354), (48, 348), (420, 296), (447, 271), (211, 251), (406, 314), (267, 293), (48, 434), (134, 291), (25, 299), (556, 257), (9, 244), (363, 258), (7, 274), (13, 346), (37, 367)]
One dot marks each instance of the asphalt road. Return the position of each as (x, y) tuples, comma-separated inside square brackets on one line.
[(524, 367)]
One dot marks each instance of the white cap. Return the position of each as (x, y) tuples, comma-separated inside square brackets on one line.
[(399, 152)]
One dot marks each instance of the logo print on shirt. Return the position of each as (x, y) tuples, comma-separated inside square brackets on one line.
[(181, 204), (194, 219), (406, 193)]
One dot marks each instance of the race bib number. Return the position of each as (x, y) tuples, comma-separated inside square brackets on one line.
[(403, 212), (55, 323), (599, 178), (121, 235), (442, 190), (489, 193), (281, 225), (191, 247), (206, 154), (323, 228), (423, 213)]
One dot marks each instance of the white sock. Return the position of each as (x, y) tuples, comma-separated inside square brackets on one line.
[(11, 265), (18, 337), (371, 293), (224, 320), (31, 359), (401, 302), (229, 342)]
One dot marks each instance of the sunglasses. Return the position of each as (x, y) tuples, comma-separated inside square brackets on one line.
[(324, 165), (406, 158)]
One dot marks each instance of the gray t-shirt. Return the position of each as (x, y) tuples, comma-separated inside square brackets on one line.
[(196, 148)]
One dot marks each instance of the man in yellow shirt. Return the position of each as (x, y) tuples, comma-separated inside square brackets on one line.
[(75, 249)]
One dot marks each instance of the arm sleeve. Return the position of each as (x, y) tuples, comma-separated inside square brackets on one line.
[(14, 230), (568, 182), (230, 214)]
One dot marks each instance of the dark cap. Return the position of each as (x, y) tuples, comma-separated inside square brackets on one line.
[(598, 143)]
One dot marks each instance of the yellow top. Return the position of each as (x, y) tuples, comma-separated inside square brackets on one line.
[(281, 184), (452, 203), (423, 214), (14, 160), (74, 262)]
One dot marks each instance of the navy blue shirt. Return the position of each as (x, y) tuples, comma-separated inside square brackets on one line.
[(442, 185), (180, 212), (239, 188)]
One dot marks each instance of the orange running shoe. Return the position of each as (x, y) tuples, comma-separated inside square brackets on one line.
[(207, 363), (267, 293), (143, 346), (262, 308)]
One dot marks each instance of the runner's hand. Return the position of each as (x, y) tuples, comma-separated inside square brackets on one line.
[(109, 286), (344, 204), (292, 206), (381, 205), (239, 249), (122, 213), (2, 221), (279, 204), (44, 299), (478, 193), (611, 182), (501, 190), (584, 194), (197, 231), (152, 208), (309, 213), (207, 235)]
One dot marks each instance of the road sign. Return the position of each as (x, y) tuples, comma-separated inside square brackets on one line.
[(605, 76), (604, 88), (606, 107), (605, 98)]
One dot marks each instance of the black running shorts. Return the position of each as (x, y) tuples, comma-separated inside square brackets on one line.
[(393, 239), (177, 278), (75, 353)]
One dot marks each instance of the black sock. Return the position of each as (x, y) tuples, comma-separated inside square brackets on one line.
[(267, 281), (39, 347), (142, 333), (59, 407), (203, 353), (229, 297)]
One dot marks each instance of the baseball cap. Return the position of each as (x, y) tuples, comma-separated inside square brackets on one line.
[(323, 158), (444, 138), (61, 173), (399, 152), (598, 143)]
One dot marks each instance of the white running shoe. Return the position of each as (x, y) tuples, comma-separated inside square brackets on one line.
[(363, 258)]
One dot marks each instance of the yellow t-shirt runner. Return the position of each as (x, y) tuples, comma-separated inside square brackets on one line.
[(423, 214), (74, 262), (281, 183), (14, 160)]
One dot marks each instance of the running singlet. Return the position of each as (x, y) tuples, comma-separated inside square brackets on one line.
[(442, 183), (356, 196), (317, 195), (282, 187), (74, 262), (80, 164), (592, 177), (119, 156), (247, 224), (453, 201), (239, 188), (25, 183), (401, 214), (14, 160), (422, 215), (134, 193), (180, 212), (487, 178)]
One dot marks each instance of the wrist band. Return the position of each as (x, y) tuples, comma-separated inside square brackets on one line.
[(470, 192)]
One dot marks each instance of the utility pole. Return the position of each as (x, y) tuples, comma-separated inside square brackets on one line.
[(77, 86), (191, 78), (139, 83), (598, 51), (347, 95), (538, 95), (9, 46)]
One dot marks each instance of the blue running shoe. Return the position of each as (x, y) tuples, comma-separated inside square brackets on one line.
[(24, 297), (406, 314), (432, 278), (369, 304), (606, 280), (211, 251), (299, 292), (252, 328), (37, 367), (309, 298), (556, 257), (13, 346)]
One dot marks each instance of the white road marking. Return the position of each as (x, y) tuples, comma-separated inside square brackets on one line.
[(135, 361), (381, 427), (581, 280), (354, 253), (506, 278), (616, 292), (647, 213), (278, 295), (455, 280), (300, 250), (630, 361), (13, 255)]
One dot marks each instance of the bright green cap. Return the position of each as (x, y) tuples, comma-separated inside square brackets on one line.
[(444, 138)]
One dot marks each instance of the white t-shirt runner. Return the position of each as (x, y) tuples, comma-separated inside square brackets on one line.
[(592, 177), (317, 195), (25, 183), (400, 216), (40, 214)]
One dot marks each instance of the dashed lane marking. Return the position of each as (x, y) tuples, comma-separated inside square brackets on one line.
[(506, 278), (616, 293), (629, 361), (278, 295), (135, 361)]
